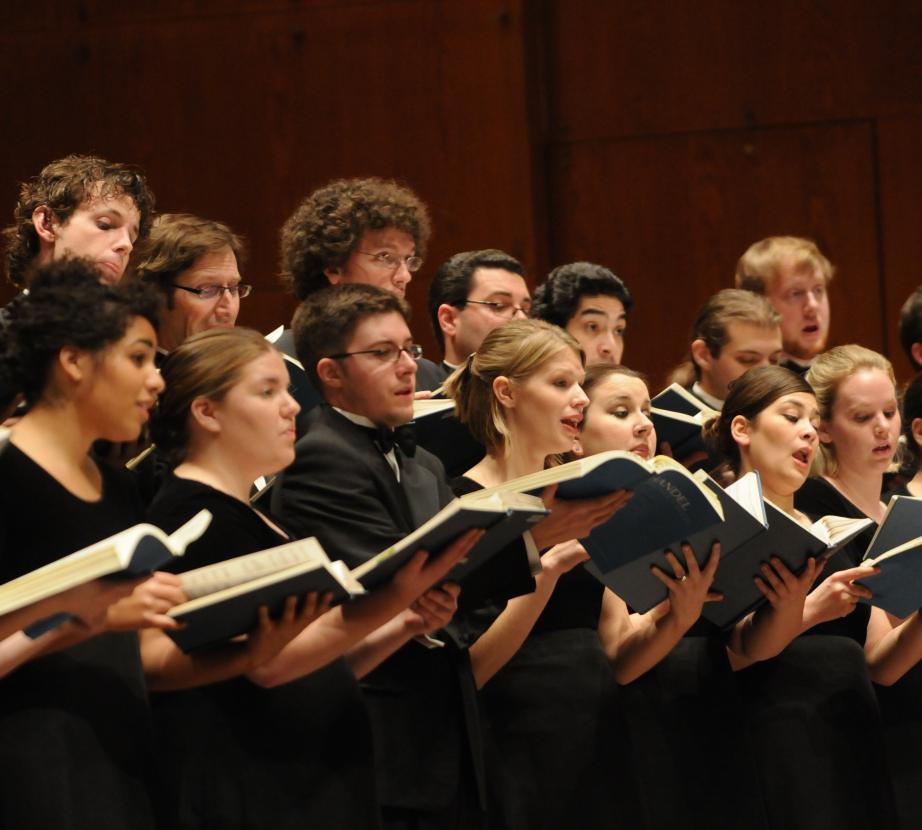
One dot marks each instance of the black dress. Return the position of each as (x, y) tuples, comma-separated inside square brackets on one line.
[(76, 742), (236, 755), (813, 714), (557, 748)]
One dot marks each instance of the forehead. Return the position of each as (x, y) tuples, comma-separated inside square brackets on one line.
[(866, 387), (389, 326), (117, 203), (498, 280), (744, 335), (268, 365), (617, 386), (802, 400), (387, 239), (600, 306), (563, 360), (791, 276), (214, 266)]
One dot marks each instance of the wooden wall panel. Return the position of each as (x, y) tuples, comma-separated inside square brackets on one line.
[(624, 67), (671, 215), (899, 140), (237, 110)]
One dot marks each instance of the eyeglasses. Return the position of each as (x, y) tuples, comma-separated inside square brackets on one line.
[(391, 262), (209, 292), (388, 353), (500, 309)]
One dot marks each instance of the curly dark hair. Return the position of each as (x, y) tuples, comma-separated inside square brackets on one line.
[(328, 225), (63, 186), (66, 305), (452, 282), (557, 298), (325, 322)]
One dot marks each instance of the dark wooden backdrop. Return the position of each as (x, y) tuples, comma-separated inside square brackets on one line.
[(659, 138)]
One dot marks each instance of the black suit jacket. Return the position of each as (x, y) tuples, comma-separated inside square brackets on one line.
[(422, 702), (430, 376)]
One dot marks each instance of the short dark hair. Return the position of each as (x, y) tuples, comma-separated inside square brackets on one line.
[(912, 409), (325, 322), (67, 305), (63, 186), (452, 282), (175, 242), (558, 297), (327, 227), (911, 324)]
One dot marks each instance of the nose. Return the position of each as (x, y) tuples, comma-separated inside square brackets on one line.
[(519, 313), (644, 425), (809, 431), (606, 348), (402, 275), (405, 362), (122, 242), (580, 399), (155, 382), (290, 407)]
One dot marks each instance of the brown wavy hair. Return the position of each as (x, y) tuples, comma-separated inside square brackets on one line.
[(63, 186), (175, 242)]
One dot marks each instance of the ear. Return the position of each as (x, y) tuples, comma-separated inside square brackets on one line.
[(822, 433), (334, 275), (701, 355), (330, 373), (448, 319), (916, 350), (75, 363), (504, 389), (204, 413), (740, 430), (917, 431), (44, 221)]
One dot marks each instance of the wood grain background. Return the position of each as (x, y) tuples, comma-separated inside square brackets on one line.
[(658, 138)]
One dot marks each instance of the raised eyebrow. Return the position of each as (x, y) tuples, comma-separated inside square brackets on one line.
[(143, 341)]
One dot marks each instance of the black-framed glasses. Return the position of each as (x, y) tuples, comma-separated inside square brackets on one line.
[(209, 292), (392, 262), (387, 353), (499, 308)]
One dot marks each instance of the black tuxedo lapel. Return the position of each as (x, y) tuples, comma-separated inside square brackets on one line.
[(420, 490)]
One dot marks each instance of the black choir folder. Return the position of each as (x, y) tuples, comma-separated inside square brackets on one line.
[(132, 552), (896, 549), (225, 597), (678, 417), (667, 506), (778, 535)]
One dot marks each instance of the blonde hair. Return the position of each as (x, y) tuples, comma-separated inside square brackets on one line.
[(758, 268), (207, 365), (515, 350), (827, 373)]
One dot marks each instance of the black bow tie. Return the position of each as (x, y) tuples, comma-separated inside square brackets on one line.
[(403, 437)]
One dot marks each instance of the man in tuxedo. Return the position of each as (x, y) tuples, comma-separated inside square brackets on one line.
[(359, 486), (794, 275), (591, 303), (473, 293)]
